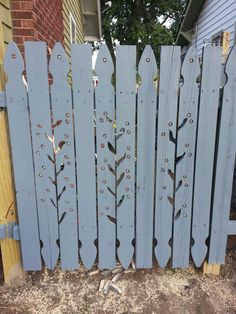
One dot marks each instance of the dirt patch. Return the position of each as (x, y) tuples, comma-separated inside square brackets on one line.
[(184, 291)]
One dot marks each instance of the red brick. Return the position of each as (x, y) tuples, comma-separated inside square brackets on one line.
[(15, 5), (37, 20), (28, 23), (21, 15), (27, 6), (18, 39), (29, 38), (23, 32), (21, 47), (17, 23)]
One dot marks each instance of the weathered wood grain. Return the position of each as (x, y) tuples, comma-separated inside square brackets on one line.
[(43, 153), (125, 143), (209, 102), (106, 178), (21, 145), (83, 98), (225, 166), (186, 140), (165, 163), (146, 132), (63, 131)]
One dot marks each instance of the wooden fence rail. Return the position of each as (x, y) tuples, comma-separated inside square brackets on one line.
[(137, 169)]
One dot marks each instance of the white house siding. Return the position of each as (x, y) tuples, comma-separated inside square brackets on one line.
[(216, 15)]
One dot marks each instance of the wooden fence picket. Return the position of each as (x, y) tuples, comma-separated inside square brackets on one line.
[(186, 139), (125, 144), (138, 166), (21, 145), (209, 102), (106, 178), (63, 139), (83, 97), (166, 140), (40, 115), (225, 166), (146, 132)]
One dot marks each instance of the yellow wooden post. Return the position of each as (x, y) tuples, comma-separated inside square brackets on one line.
[(225, 43), (10, 249), (211, 269)]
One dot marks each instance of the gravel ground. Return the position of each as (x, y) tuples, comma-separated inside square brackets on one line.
[(152, 291)]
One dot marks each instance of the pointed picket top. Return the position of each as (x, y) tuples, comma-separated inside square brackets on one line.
[(83, 96), (147, 60), (125, 144), (106, 180), (190, 59), (146, 126), (104, 63), (40, 115), (62, 112), (58, 64), (21, 145), (188, 109), (13, 62), (204, 163), (165, 160)]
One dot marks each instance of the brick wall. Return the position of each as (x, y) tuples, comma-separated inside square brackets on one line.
[(37, 20)]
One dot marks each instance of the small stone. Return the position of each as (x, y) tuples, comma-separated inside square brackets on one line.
[(115, 287), (127, 271), (106, 287), (133, 264), (101, 286), (116, 277), (106, 272), (117, 270), (92, 273)]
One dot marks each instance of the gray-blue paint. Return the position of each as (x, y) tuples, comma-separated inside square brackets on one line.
[(40, 116), (146, 132), (165, 162), (3, 101), (105, 132), (225, 166), (62, 114), (21, 147), (83, 98), (125, 116), (209, 102), (83, 113), (186, 138)]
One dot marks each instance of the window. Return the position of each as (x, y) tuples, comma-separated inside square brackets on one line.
[(221, 39), (72, 29), (217, 39)]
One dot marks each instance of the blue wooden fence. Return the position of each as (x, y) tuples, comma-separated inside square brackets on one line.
[(141, 169)]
